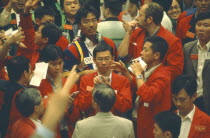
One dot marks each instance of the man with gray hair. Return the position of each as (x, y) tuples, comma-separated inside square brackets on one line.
[(104, 123)]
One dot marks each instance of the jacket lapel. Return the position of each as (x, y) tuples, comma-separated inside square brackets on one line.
[(207, 61), (195, 52)]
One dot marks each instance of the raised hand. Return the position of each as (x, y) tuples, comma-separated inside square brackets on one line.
[(29, 5), (119, 67)]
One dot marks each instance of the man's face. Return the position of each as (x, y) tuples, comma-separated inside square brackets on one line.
[(45, 19), (55, 67), (39, 40), (141, 19), (175, 10), (202, 6), (158, 133), (70, 7), (89, 25), (103, 62), (147, 53), (203, 30), (132, 9), (183, 102), (19, 5)]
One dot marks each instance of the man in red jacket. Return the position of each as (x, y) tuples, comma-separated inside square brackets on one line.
[(195, 123), (153, 85), (29, 103), (148, 23), (103, 58)]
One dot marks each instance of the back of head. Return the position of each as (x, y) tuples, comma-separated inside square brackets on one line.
[(41, 11), (51, 53), (169, 121), (93, 3), (115, 6), (184, 82), (52, 32), (101, 47), (155, 11), (158, 45), (84, 11), (26, 100), (203, 16), (16, 67), (136, 2), (166, 4), (104, 96)]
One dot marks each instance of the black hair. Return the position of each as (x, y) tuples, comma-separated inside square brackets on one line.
[(155, 11), (158, 45), (26, 100), (115, 6), (83, 12), (16, 67), (103, 46), (62, 3), (188, 83), (104, 96), (41, 11), (51, 53), (166, 4), (136, 2), (203, 16), (52, 32), (169, 121)]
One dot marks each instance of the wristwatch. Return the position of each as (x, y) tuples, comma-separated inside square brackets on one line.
[(140, 76)]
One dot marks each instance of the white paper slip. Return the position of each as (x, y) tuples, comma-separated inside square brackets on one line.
[(37, 78), (141, 62)]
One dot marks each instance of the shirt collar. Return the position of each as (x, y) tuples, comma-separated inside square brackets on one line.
[(190, 114), (207, 46), (89, 43), (150, 71)]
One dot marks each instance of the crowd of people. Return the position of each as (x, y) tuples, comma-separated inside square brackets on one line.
[(105, 68)]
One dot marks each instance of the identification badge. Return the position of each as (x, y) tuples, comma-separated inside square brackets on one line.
[(200, 128), (190, 34), (146, 104), (81, 66), (194, 57), (68, 27), (88, 60), (89, 89), (208, 55)]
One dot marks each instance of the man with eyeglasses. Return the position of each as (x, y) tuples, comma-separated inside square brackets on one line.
[(80, 52), (103, 58), (195, 123)]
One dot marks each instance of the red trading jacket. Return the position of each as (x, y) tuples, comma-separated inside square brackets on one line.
[(23, 128), (155, 96), (32, 50), (72, 117), (200, 127), (174, 58), (185, 29), (119, 83)]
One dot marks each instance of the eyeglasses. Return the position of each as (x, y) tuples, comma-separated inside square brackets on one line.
[(106, 59), (87, 22)]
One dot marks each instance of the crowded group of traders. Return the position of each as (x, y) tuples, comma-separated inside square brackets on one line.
[(153, 54)]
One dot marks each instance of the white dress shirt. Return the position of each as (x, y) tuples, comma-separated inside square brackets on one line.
[(186, 124), (202, 55), (90, 47)]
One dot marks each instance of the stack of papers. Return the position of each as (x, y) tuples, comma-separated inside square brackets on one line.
[(40, 73), (141, 62)]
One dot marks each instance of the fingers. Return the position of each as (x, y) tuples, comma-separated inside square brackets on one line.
[(74, 68)]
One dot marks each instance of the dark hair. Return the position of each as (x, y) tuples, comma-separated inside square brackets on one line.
[(104, 96), (62, 3), (188, 83), (169, 121), (103, 46), (16, 67), (94, 3), (52, 32), (155, 11), (51, 53), (136, 2), (41, 11), (166, 4), (203, 16), (115, 6), (83, 12), (26, 100), (158, 45)]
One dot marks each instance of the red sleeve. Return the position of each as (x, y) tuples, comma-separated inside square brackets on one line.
[(183, 26), (27, 26), (62, 43), (84, 96), (153, 91), (123, 97)]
